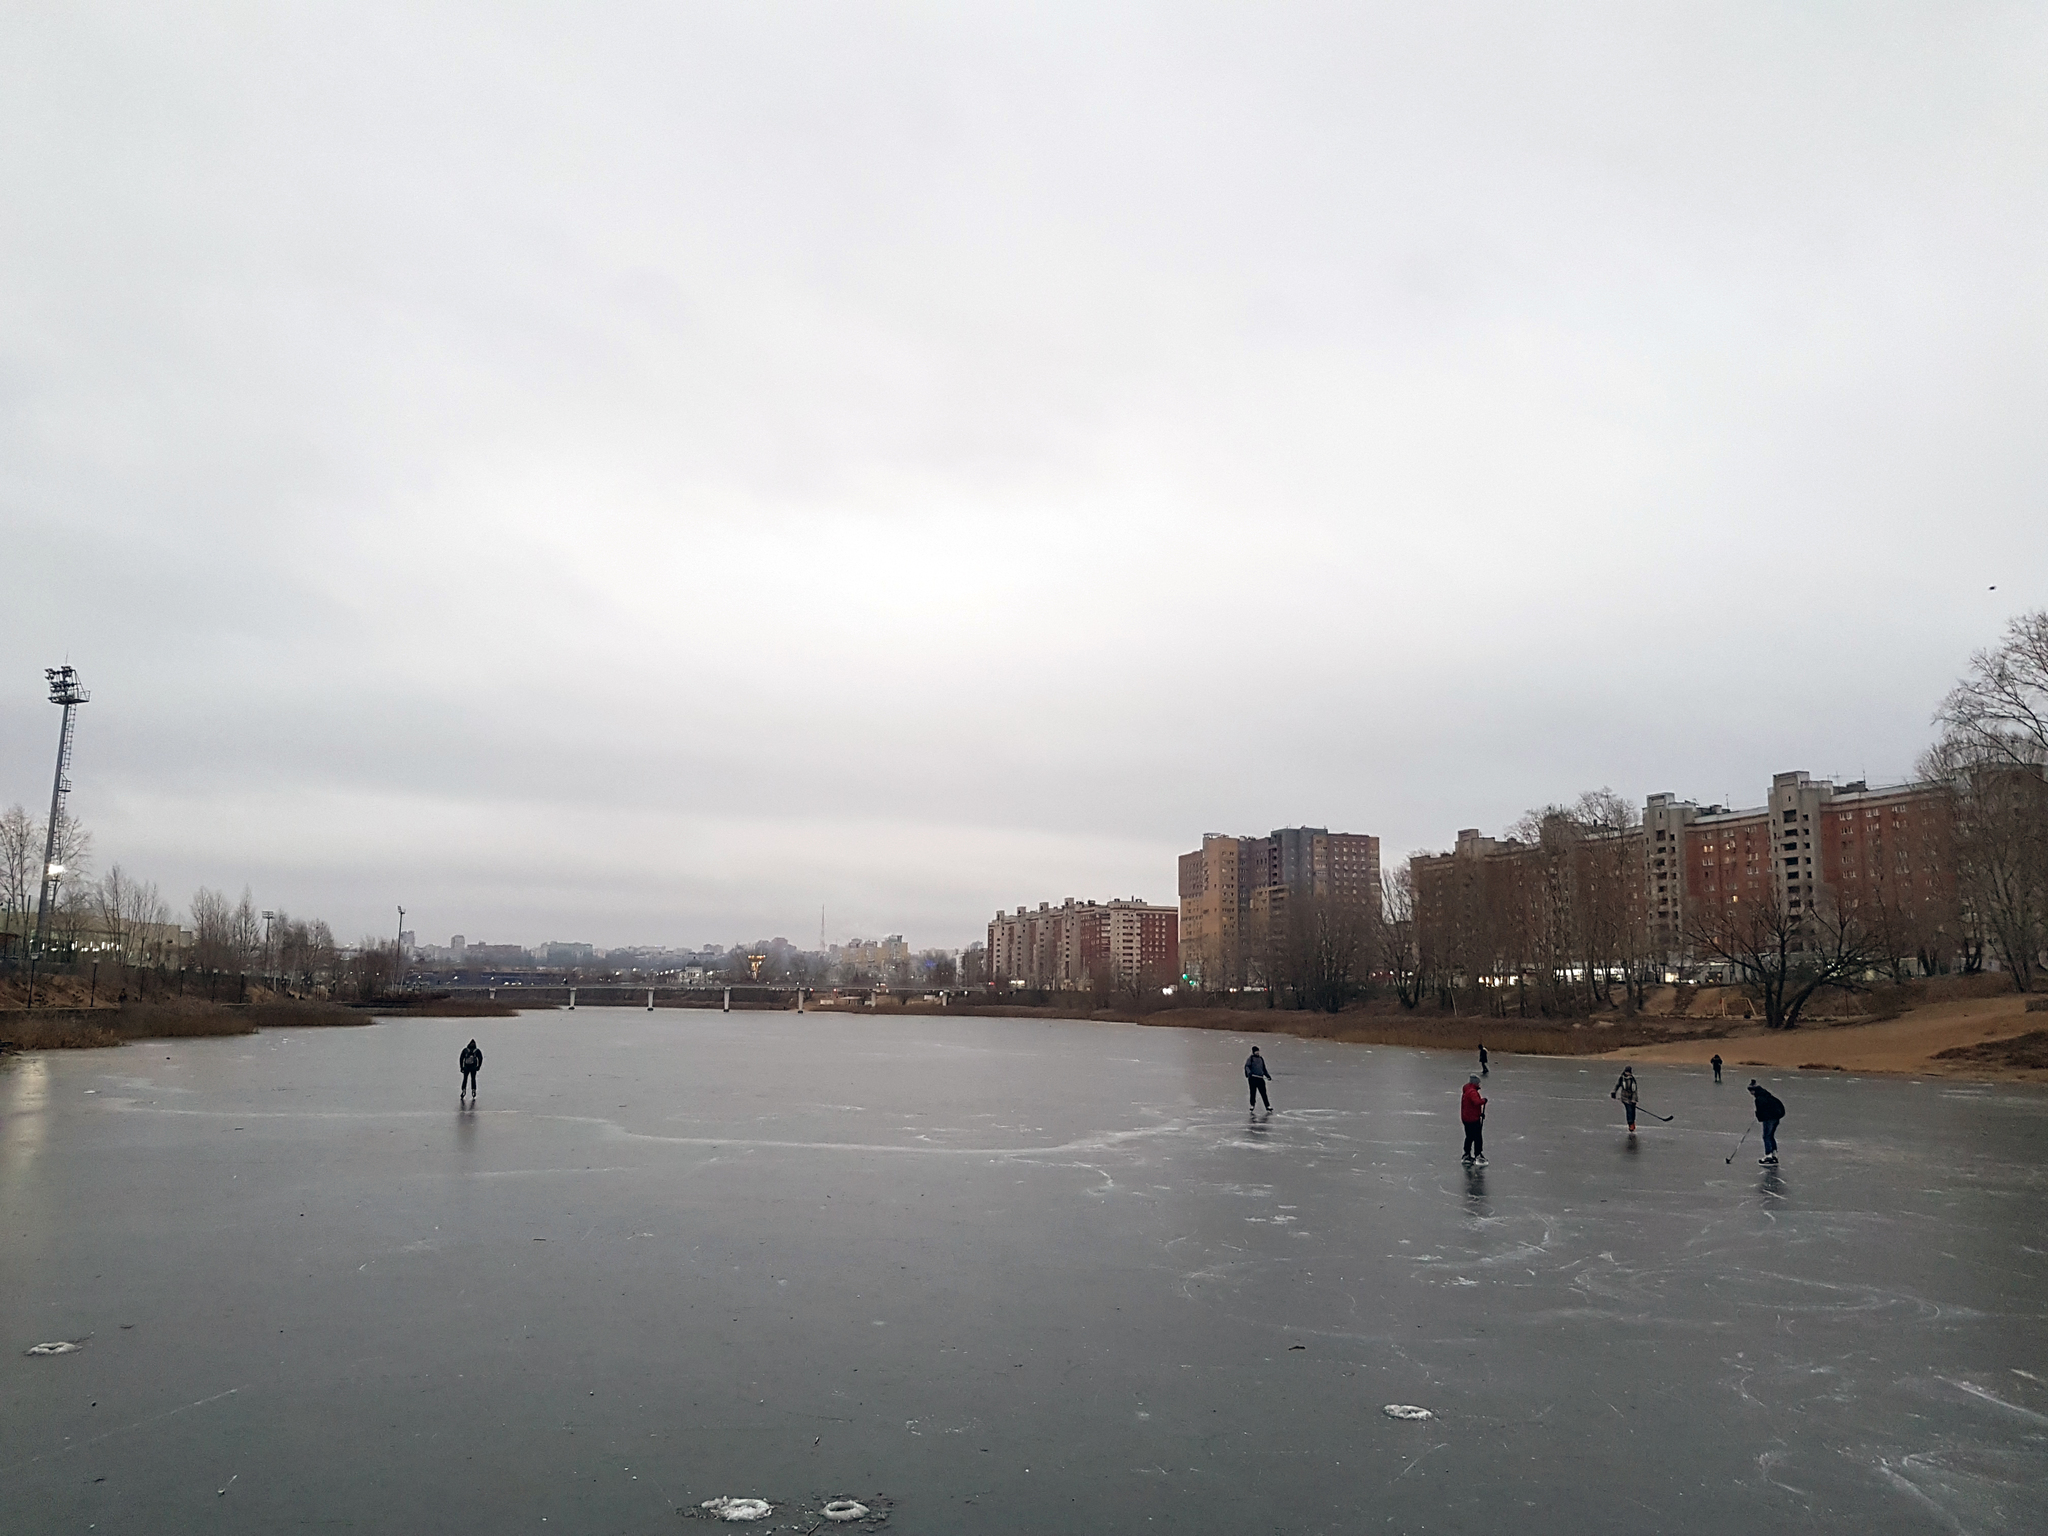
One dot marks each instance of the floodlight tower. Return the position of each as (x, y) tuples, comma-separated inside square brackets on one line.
[(64, 690)]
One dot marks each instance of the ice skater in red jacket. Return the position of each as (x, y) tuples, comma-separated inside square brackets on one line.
[(1472, 1110)]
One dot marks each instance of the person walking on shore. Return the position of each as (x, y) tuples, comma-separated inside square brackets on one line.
[(471, 1062), (1483, 1068), (1472, 1111), (1769, 1111), (1717, 1066), (1625, 1090), (1256, 1075)]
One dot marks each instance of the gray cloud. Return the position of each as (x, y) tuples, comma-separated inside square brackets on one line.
[(646, 472)]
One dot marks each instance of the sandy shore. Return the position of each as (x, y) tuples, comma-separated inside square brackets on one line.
[(1905, 1045)]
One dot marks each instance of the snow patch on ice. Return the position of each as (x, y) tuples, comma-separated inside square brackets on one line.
[(844, 1509), (736, 1509), (54, 1347), (1406, 1411)]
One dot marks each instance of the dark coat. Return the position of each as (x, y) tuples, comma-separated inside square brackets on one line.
[(1767, 1105), (472, 1059), (1255, 1066)]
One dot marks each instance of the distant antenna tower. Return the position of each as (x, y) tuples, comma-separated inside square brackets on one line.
[(64, 690)]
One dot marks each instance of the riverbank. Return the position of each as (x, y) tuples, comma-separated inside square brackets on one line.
[(70, 1029), (62, 1021), (1985, 1039)]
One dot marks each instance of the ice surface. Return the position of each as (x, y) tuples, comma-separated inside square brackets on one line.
[(1067, 1233)]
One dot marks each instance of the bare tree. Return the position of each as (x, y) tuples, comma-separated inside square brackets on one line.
[(145, 917), (245, 934), (1994, 751), (112, 899), (1614, 934), (21, 857), (1319, 949), (2001, 842), (373, 968), (1397, 948), (305, 953), (1999, 712), (212, 931), (1785, 956)]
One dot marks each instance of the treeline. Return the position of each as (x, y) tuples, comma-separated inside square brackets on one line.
[(127, 927)]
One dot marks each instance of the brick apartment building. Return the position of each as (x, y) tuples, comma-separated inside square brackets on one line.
[(1080, 942), (1886, 854), (1234, 892)]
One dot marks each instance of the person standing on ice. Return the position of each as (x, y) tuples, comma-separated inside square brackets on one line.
[(472, 1062), (1625, 1090), (1769, 1111), (1255, 1074), (1717, 1066), (1483, 1068), (1472, 1111)]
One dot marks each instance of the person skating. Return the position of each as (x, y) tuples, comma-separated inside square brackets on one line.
[(1472, 1111), (1717, 1066), (1625, 1090), (1483, 1068), (472, 1062), (1255, 1074), (1769, 1111)]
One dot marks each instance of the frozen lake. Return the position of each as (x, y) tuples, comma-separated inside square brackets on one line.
[(1013, 1276)]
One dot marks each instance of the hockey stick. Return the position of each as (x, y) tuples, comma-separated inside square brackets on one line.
[(1667, 1119), (1738, 1145)]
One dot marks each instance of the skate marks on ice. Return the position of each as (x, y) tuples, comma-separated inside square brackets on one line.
[(1983, 1466)]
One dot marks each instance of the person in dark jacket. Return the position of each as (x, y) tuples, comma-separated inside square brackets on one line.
[(1255, 1074), (1483, 1068), (1472, 1111), (1625, 1090), (1717, 1066), (1768, 1113), (471, 1062)]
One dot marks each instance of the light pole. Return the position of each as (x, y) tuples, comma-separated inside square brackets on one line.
[(398, 953), (64, 691), (52, 873)]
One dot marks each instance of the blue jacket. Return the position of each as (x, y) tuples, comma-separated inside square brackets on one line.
[(1255, 1066)]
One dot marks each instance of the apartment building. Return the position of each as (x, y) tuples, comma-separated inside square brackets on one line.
[(1081, 942), (1234, 892), (1885, 853)]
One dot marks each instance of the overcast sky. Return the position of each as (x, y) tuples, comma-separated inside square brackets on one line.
[(642, 474)]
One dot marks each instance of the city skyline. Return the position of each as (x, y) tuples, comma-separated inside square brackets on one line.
[(661, 471)]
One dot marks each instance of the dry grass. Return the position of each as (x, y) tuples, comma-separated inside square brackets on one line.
[(2028, 1050), (62, 1029)]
